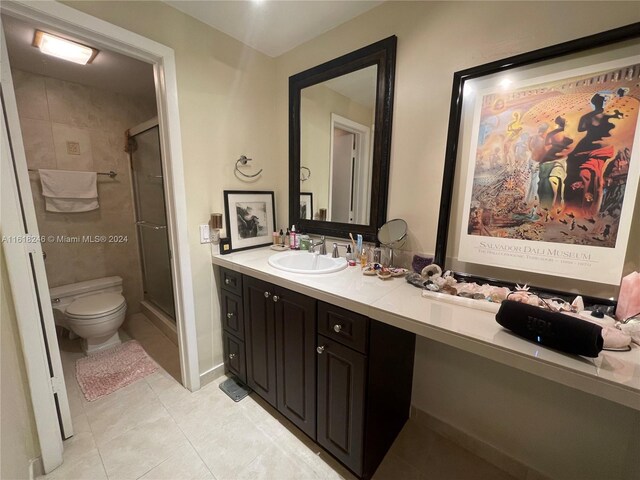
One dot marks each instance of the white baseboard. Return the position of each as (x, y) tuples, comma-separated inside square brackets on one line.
[(211, 375), (476, 446), (36, 468)]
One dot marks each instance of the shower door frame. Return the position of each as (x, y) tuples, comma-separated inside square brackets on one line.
[(132, 133), (81, 25)]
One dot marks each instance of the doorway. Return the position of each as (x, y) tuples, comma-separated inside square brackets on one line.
[(88, 29), (350, 171)]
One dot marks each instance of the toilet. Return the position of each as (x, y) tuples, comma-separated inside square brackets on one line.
[(93, 310)]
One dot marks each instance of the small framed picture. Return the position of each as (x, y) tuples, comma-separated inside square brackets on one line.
[(250, 218), (306, 206)]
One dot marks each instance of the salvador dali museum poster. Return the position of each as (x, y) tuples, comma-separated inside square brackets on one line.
[(553, 173)]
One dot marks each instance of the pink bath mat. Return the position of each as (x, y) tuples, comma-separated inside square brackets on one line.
[(105, 372)]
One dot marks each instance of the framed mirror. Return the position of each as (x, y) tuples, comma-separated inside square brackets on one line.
[(340, 117)]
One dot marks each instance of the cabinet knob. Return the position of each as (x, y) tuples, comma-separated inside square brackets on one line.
[(232, 356), (320, 349), (276, 298), (267, 294), (230, 315), (227, 281), (337, 328)]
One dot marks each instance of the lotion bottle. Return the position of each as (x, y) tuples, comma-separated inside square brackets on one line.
[(292, 237)]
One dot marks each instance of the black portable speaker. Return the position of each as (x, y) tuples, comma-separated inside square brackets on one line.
[(556, 330)]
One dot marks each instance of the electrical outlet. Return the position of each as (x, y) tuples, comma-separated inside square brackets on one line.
[(205, 234)]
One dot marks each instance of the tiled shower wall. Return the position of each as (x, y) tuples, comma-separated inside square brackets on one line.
[(55, 115)]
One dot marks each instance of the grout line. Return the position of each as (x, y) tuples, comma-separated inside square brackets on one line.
[(189, 441)]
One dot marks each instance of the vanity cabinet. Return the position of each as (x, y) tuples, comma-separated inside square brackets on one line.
[(231, 311), (342, 378), (280, 339), (365, 373)]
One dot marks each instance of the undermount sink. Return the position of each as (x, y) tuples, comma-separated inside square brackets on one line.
[(305, 262)]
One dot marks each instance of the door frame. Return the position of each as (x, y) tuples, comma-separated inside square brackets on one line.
[(19, 258), (361, 183), (112, 37)]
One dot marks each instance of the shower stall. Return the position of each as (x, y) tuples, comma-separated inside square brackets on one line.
[(151, 221)]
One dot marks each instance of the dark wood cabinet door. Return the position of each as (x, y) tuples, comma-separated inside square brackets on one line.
[(232, 314), (295, 316), (234, 356), (260, 338), (341, 397)]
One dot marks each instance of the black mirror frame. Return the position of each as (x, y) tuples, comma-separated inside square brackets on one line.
[(382, 54)]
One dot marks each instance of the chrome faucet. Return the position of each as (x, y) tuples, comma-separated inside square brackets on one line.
[(336, 252), (320, 243)]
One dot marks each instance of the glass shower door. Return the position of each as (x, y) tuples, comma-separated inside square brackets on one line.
[(151, 220)]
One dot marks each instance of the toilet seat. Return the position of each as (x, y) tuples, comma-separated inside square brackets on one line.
[(96, 306)]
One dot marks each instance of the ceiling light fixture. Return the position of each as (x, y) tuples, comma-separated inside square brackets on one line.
[(63, 48)]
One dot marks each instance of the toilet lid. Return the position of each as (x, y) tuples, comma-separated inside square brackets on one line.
[(93, 305)]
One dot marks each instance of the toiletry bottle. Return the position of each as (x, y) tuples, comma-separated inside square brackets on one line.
[(359, 246), (287, 238), (276, 238), (281, 238), (292, 237), (364, 257)]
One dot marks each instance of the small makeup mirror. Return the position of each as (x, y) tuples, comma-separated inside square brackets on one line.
[(393, 234)]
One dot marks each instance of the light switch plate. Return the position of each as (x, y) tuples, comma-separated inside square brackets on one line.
[(205, 234)]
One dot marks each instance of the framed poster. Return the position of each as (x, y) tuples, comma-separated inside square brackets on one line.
[(542, 169), (306, 205), (250, 218)]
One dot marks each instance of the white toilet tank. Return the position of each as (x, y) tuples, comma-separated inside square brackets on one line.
[(63, 295)]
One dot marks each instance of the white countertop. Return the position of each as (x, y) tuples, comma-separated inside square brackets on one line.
[(612, 375)]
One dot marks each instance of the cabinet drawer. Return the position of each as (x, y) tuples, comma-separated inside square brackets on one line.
[(231, 281), (234, 357), (343, 326), (232, 313)]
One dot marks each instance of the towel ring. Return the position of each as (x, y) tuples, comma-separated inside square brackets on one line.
[(243, 160), (302, 177)]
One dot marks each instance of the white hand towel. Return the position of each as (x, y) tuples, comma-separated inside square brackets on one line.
[(69, 191)]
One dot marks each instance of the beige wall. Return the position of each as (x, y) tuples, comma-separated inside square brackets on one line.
[(53, 112), (317, 103), (18, 436), (226, 101), (560, 431)]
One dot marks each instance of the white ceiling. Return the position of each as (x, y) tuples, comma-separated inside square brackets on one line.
[(274, 27), (109, 70)]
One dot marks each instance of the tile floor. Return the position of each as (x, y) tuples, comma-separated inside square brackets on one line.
[(156, 429)]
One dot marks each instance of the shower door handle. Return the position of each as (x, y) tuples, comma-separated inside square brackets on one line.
[(142, 223)]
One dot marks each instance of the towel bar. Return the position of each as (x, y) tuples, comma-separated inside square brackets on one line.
[(110, 174)]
